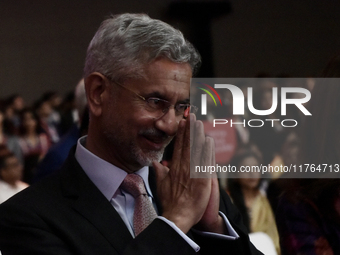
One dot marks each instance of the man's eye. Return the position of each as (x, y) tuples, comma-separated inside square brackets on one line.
[(182, 107), (154, 102)]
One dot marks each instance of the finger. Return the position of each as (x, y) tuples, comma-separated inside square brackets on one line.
[(207, 155), (160, 170), (214, 184), (192, 120), (178, 146), (213, 161), (185, 160), (198, 143)]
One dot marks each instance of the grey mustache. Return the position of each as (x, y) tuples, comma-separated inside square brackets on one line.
[(155, 134)]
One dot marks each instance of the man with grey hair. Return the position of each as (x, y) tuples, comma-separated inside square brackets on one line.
[(107, 199)]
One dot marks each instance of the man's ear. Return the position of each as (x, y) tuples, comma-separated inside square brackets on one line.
[(95, 86)]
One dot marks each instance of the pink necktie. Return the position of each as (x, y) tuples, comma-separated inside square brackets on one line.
[(144, 212)]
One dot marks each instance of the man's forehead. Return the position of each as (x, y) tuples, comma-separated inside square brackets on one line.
[(168, 68), (165, 77), (178, 92)]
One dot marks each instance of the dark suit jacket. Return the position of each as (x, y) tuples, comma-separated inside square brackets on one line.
[(67, 214)]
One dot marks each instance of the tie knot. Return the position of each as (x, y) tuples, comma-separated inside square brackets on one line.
[(134, 184)]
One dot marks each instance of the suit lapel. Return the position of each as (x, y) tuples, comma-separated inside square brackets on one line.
[(88, 201)]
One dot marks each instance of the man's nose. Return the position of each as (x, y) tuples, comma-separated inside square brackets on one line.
[(168, 123)]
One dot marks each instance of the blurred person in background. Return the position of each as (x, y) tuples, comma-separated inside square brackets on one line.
[(248, 196), (44, 111), (54, 99), (269, 139), (289, 155), (34, 143), (69, 113), (10, 175), (11, 141), (13, 105)]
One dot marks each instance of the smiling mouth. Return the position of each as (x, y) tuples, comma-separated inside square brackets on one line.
[(156, 143), (154, 139)]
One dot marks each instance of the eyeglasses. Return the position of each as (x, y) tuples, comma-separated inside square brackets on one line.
[(160, 106)]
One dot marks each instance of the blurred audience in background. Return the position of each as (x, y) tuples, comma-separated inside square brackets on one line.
[(57, 154), (52, 124), (308, 213), (41, 134)]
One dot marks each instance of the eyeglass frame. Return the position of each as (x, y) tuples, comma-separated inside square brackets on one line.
[(164, 110)]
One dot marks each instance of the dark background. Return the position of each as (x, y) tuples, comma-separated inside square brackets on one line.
[(43, 42)]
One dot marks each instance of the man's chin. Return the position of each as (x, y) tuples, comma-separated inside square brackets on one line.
[(146, 159)]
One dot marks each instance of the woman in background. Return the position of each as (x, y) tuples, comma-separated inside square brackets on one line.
[(34, 144), (10, 175), (10, 141), (250, 199)]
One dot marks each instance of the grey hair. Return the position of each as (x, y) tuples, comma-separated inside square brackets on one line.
[(125, 43)]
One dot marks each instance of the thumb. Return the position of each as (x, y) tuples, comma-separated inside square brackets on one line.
[(160, 170)]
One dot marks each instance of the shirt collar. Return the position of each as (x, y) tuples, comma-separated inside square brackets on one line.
[(104, 175)]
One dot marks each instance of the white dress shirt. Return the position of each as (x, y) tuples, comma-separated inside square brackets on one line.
[(108, 179)]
